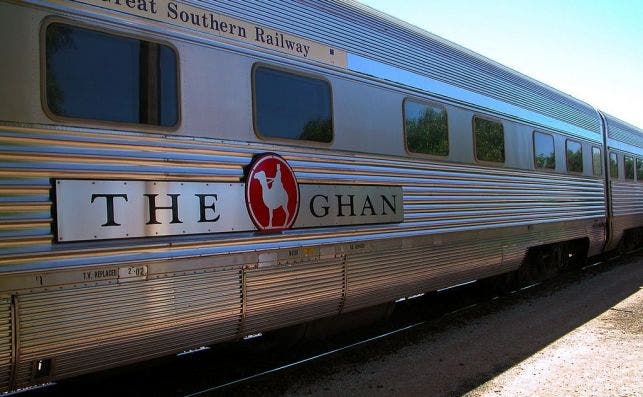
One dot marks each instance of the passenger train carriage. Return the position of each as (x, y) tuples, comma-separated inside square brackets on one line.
[(175, 174)]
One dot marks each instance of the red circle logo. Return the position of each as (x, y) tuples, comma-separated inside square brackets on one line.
[(272, 193)]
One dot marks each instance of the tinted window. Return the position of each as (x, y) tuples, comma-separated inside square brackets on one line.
[(597, 167), (544, 155), (613, 165), (574, 156), (639, 170), (292, 106), (426, 128), (489, 140), (629, 167), (100, 76)]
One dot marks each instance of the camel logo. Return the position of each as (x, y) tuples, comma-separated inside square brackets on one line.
[(272, 193)]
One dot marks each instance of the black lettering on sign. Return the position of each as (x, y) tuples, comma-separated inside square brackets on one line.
[(204, 19), (350, 204), (203, 207), (107, 273), (109, 199), (142, 5), (174, 207), (387, 203), (367, 205), (315, 208), (279, 40)]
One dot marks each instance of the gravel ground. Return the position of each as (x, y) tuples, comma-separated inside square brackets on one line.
[(578, 338), (603, 357)]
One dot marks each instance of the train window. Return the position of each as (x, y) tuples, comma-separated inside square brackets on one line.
[(597, 166), (489, 140), (426, 128), (95, 75), (292, 106), (574, 156), (639, 169), (544, 154), (613, 165), (629, 167)]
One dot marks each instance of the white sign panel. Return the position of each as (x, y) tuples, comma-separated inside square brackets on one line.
[(90, 210), (96, 210)]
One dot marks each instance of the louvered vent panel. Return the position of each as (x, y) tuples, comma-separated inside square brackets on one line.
[(291, 294), (98, 327), (6, 342), (377, 277)]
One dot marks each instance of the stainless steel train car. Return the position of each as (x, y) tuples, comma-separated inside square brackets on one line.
[(175, 174)]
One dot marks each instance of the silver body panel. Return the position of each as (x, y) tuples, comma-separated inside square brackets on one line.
[(626, 204), (462, 220), (451, 92)]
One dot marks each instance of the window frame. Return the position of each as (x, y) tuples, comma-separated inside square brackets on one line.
[(582, 171), (296, 72), (533, 141), (475, 143), (78, 121), (429, 104)]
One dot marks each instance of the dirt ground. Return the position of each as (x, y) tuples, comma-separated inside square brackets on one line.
[(603, 357), (583, 338)]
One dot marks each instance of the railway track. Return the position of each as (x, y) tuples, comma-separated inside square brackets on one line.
[(248, 367)]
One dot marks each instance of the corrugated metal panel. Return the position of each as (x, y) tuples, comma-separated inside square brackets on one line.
[(25, 213), (96, 327), (6, 343), (291, 294), (627, 206), (395, 269), (438, 197), (365, 32), (385, 275), (88, 328), (624, 132), (494, 200), (627, 198)]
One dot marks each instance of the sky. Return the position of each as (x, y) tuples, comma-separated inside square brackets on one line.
[(590, 49)]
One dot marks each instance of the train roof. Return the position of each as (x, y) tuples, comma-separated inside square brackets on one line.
[(622, 132), (366, 33)]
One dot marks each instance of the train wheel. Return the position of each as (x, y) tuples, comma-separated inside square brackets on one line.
[(547, 261)]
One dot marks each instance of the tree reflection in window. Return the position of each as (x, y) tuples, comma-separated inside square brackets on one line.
[(629, 167), (426, 129), (100, 76), (613, 165), (489, 140), (574, 156), (58, 37), (597, 161), (292, 106), (544, 154), (639, 169)]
